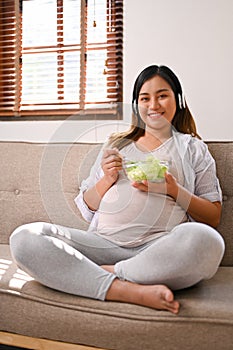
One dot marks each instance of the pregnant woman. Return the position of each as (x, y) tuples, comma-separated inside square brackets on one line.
[(145, 239)]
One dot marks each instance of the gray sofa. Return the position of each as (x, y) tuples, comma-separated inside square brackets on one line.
[(38, 182)]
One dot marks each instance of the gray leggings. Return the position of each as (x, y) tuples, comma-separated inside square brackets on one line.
[(69, 260)]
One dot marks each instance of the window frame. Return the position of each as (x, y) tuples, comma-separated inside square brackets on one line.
[(115, 42)]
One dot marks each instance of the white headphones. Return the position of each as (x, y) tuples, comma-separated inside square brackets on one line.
[(181, 101)]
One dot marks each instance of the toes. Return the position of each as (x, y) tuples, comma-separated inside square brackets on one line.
[(171, 304), (169, 297), (174, 307)]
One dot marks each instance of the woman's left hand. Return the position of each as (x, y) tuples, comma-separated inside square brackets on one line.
[(168, 187)]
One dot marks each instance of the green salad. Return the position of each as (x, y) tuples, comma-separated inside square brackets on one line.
[(151, 169)]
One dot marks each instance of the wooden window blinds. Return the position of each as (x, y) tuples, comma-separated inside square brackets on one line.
[(59, 57)]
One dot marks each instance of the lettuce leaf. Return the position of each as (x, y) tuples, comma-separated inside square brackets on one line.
[(151, 169)]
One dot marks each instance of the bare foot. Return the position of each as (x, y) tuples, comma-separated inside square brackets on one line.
[(158, 297)]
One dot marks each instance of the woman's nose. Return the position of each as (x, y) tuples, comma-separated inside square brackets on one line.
[(154, 104)]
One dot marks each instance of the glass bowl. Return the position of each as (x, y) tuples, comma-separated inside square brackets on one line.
[(150, 169)]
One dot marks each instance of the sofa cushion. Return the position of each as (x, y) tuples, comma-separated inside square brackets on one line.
[(29, 308)]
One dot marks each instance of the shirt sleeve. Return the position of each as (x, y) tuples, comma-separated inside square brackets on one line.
[(95, 174), (206, 181)]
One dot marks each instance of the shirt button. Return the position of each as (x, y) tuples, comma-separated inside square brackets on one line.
[(17, 192)]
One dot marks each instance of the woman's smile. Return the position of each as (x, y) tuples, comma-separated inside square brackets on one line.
[(154, 115)]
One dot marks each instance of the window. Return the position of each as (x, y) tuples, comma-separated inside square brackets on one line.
[(60, 57)]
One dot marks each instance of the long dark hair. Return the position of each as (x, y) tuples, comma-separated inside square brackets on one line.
[(183, 120)]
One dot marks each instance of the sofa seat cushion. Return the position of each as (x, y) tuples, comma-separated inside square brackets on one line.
[(31, 309)]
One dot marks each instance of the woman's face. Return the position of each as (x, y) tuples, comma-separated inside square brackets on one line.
[(157, 104)]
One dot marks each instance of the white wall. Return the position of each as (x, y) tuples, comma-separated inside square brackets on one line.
[(194, 38)]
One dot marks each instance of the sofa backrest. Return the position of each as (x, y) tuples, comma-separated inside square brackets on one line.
[(38, 182), (223, 155)]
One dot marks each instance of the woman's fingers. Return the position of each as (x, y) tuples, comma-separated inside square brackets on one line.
[(112, 159), (154, 187)]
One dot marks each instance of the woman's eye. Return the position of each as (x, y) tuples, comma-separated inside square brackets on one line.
[(162, 96)]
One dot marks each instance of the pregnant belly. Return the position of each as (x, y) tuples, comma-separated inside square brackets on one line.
[(125, 208)]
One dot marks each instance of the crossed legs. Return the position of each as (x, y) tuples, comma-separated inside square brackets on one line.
[(74, 261)]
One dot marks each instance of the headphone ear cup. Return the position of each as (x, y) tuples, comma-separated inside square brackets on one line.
[(134, 106), (181, 101)]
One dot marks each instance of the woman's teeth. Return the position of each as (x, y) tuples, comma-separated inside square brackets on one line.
[(155, 115)]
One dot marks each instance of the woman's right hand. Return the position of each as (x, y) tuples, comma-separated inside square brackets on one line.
[(111, 164)]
